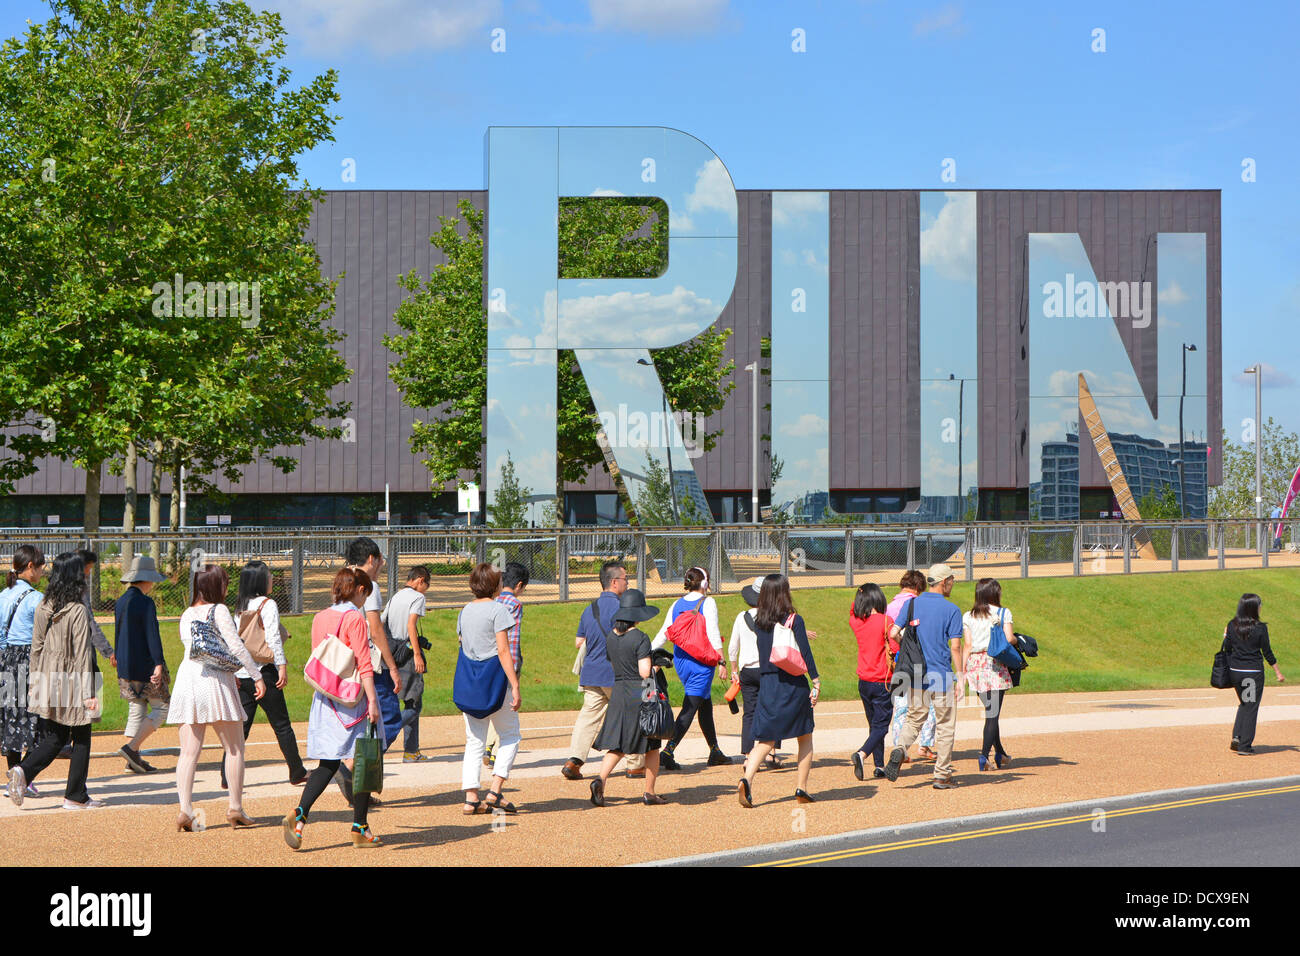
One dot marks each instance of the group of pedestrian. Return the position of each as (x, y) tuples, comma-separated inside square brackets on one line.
[(48, 643)]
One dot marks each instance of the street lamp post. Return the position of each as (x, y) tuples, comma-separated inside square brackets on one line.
[(753, 445), (1258, 371), (1182, 501)]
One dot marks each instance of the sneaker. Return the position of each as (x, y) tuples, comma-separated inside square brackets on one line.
[(414, 758), (17, 785), (32, 791), (718, 759), (895, 761), (1245, 750), (91, 804), (134, 761), (858, 770), (878, 773)]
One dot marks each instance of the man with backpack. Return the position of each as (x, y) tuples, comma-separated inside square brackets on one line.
[(935, 623), (596, 676)]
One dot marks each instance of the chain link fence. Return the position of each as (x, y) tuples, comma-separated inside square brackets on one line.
[(564, 564)]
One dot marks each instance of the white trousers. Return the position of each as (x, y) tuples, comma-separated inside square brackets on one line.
[(506, 723)]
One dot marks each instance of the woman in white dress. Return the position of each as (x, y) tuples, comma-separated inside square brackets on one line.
[(206, 694)]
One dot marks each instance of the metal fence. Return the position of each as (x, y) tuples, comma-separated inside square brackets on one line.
[(564, 564)]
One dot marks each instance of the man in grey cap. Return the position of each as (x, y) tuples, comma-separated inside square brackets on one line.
[(938, 627)]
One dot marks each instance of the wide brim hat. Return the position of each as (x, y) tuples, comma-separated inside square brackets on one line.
[(142, 569), (632, 608), (750, 591)]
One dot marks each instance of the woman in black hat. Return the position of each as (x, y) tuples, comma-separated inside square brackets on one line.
[(628, 648)]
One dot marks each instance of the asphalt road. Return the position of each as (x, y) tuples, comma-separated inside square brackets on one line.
[(1253, 821)]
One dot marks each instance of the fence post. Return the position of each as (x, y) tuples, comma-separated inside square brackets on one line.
[(1127, 535), (970, 553), (848, 557), (1218, 535), (562, 564), (1078, 550), (1264, 535), (295, 579), (639, 544), (480, 548), (1173, 546), (784, 538), (715, 560), (911, 548), (1024, 551), (394, 555)]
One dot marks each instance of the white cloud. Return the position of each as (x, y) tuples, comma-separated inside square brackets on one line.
[(804, 426), (1173, 294), (655, 320), (1274, 377), (821, 265), (387, 27), (948, 243), (657, 16), (946, 20), (602, 191), (713, 190), (794, 206)]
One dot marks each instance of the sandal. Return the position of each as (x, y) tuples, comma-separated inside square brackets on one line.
[(927, 754), (499, 803), (469, 809), (773, 762)]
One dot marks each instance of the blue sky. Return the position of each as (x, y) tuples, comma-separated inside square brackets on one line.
[(885, 92)]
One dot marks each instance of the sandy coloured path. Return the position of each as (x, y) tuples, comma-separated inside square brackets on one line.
[(1066, 747)]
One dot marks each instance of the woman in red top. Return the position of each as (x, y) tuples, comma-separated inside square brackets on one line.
[(332, 728), (877, 646)]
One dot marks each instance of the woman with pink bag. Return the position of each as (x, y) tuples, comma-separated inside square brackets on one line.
[(785, 700)]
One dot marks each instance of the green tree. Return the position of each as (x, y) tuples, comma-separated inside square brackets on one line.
[(1235, 497), (146, 139), (654, 503), (441, 351), (509, 509)]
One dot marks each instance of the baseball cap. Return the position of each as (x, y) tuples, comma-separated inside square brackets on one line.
[(938, 573)]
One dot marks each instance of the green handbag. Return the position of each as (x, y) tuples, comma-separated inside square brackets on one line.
[(368, 765)]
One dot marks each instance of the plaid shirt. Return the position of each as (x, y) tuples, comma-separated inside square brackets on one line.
[(516, 609)]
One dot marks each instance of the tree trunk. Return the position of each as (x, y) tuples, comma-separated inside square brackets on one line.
[(155, 500), (175, 523), (90, 521), (128, 500)]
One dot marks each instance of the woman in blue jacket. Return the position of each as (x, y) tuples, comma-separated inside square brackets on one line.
[(18, 604)]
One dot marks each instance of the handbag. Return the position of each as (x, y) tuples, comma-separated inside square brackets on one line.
[(208, 647), (1219, 676), (332, 668), (884, 650), (479, 687), (1002, 650), (655, 716), (253, 633), (368, 764), (785, 649), (909, 665), (689, 632)]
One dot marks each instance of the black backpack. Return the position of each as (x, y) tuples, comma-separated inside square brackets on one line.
[(909, 665)]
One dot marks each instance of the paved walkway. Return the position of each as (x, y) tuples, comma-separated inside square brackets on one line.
[(1066, 747)]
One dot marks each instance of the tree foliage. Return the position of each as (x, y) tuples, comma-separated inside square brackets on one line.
[(1235, 497), (146, 139), (509, 508)]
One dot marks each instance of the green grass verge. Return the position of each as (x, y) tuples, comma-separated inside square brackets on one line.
[(1134, 632)]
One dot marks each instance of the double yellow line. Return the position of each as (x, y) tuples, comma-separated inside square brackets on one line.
[(833, 856)]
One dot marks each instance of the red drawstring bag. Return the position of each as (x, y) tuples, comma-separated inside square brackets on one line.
[(690, 633)]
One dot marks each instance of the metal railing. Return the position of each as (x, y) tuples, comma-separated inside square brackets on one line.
[(564, 564)]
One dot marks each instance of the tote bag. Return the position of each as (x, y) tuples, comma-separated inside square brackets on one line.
[(208, 647), (332, 669), (785, 649), (479, 687), (253, 633), (368, 764), (1002, 650)]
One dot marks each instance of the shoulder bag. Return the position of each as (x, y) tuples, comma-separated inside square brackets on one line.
[(909, 665), (479, 687), (689, 632), (332, 668), (208, 647), (655, 718), (1002, 650), (785, 649), (253, 633), (1219, 676)]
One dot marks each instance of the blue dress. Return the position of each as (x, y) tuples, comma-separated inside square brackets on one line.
[(696, 678), (784, 709)]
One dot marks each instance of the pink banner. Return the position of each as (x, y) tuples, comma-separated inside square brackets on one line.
[(1286, 505)]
